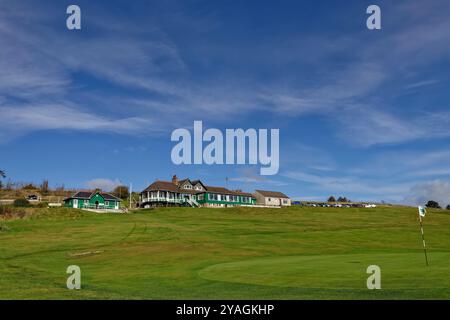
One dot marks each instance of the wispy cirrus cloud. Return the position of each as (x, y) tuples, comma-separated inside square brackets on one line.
[(52, 117), (422, 83), (148, 66)]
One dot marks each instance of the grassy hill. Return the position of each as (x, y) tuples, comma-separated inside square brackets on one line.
[(248, 253)]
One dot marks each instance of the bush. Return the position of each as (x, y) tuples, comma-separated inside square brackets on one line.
[(21, 203), (433, 204), (42, 205), (448, 207), (5, 210)]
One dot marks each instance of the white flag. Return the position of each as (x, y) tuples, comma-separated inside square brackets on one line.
[(422, 211)]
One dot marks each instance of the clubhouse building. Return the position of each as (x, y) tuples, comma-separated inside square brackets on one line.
[(95, 200), (192, 193)]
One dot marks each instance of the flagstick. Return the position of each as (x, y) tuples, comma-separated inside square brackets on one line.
[(423, 240)]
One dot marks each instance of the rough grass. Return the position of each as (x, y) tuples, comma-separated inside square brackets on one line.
[(235, 253)]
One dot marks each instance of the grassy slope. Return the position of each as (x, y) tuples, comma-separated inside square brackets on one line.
[(181, 253)]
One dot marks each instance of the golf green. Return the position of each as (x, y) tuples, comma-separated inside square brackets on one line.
[(232, 253)]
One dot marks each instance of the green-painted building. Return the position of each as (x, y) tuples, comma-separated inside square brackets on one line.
[(192, 193), (93, 200), (222, 197)]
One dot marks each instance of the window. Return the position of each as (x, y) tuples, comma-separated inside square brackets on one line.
[(212, 196), (106, 203), (285, 201), (246, 199), (86, 202), (200, 197)]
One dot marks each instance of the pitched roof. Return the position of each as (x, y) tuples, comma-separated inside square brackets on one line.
[(245, 194), (273, 194), (162, 185), (89, 194), (83, 195), (180, 182), (194, 182), (218, 190), (108, 196)]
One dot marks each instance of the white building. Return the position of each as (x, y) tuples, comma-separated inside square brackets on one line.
[(271, 198)]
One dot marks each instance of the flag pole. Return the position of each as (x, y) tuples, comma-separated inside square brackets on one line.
[(423, 240)]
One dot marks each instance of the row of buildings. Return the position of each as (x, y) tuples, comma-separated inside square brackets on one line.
[(183, 192)]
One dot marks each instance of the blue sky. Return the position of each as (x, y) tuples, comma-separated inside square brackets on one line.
[(363, 114)]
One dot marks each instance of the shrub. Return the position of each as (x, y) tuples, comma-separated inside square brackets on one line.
[(21, 203), (42, 205), (5, 210), (433, 204)]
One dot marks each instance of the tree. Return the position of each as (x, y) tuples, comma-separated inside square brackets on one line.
[(9, 185), (342, 199), (122, 192), (448, 207), (331, 199), (29, 186), (433, 204), (2, 175), (44, 187)]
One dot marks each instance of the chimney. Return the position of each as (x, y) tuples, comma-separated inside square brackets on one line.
[(175, 180)]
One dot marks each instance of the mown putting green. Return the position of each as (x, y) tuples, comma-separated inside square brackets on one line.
[(234, 253), (348, 271)]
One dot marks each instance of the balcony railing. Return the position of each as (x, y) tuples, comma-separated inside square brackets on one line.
[(164, 199)]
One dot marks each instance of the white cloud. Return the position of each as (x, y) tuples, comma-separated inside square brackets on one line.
[(24, 119), (252, 177), (156, 83), (345, 185), (103, 184), (437, 190), (420, 84)]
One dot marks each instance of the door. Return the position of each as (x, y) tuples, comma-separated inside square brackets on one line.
[(75, 203)]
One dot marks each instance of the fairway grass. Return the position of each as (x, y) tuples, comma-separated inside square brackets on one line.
[(233, 253)]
